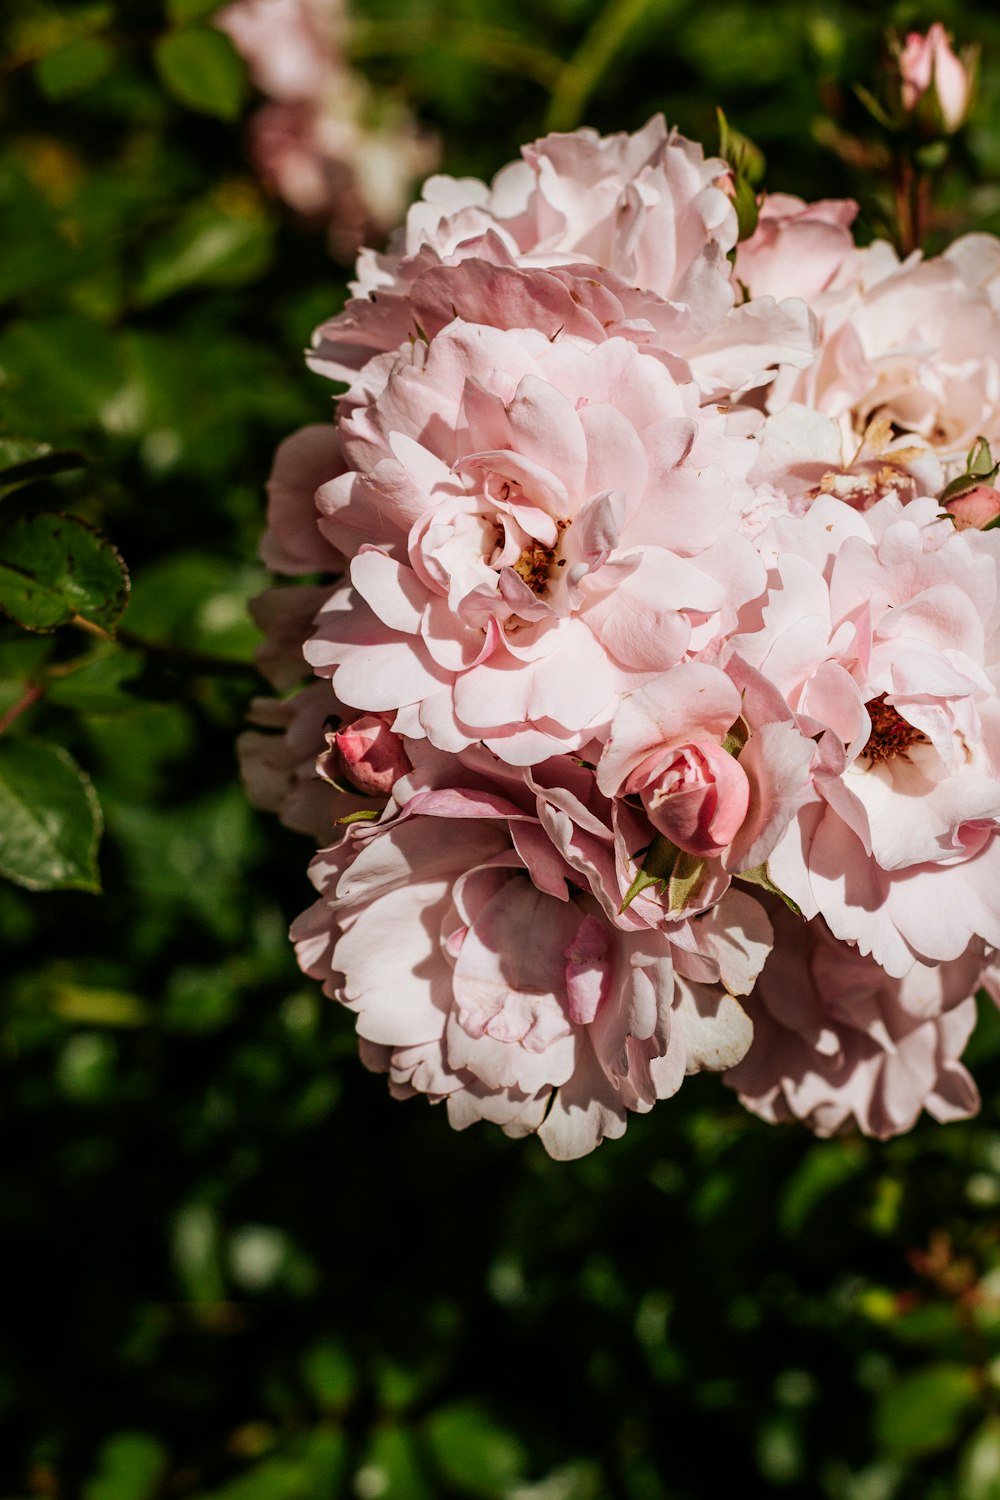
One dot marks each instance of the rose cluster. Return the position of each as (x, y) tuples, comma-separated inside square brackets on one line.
[(653, 722)]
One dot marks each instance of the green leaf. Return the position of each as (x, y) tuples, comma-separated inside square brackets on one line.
[(684, 881), (932, 157), (50, 818), (736, 737), (201, 68), (656, 869), (929, 1325), (206, 247), (474, 1453), (925, 1411), (131, 1466), (363, 815), (74, 68), (390, 1467), (23, 461), (54, 567), (759, 876)]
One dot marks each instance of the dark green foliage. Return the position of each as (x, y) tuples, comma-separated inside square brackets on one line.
[(234, 1269)]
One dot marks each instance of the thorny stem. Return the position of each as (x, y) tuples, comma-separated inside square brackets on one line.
[(200, 663), (581, 74)]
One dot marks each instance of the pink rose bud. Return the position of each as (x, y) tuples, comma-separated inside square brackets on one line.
[(699, 799), (371, 756), (975, 509), (928, 61)]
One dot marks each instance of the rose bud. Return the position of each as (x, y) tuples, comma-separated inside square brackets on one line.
[(975, 509), (927, 62), (369, 754)]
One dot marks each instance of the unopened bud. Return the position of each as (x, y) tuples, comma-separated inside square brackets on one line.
[(976, 509), (369, 754), (928, 66)]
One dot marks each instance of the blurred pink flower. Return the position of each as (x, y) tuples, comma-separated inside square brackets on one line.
[(326, 143)]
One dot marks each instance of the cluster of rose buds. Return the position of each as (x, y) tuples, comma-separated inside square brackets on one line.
[(322, 141), (654, 718)]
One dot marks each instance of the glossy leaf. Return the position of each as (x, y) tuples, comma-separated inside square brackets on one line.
[(54, 567), (50, 818)]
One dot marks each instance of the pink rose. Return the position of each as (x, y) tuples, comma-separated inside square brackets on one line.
[(698, 798), (665, 747), (289, 45), (797, 247), (507, 989), (882, 632), (537, 526), (644, 208), (804, 453), (914, 343)]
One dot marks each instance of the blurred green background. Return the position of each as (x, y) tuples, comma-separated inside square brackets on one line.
[(233, 1269)]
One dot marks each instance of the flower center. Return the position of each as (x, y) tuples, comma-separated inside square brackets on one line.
[(533, 566), (536, 562), (891, 734)]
